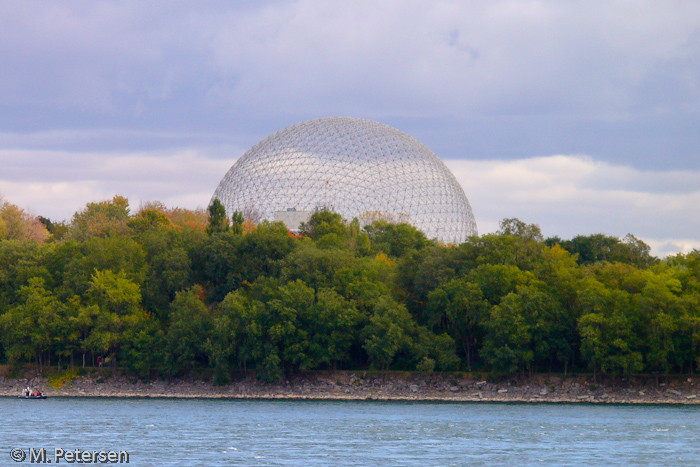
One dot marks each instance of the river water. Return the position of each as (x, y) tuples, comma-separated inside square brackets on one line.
[(199, 432)]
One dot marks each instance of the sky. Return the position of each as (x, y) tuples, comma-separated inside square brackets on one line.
[(580, 116)]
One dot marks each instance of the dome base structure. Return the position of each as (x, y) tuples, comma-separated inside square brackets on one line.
[(355, 167)]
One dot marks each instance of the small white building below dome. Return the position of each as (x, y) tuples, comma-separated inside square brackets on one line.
[(352, 166), (293, 218)]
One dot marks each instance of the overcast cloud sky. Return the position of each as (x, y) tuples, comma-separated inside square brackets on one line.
[(580, 116)]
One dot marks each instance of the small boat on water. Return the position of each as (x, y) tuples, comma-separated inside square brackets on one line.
[(29, 394)]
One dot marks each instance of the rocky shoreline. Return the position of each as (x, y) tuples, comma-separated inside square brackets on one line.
[(348, 385)]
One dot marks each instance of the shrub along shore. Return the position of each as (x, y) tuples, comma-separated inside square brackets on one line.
[(171, 294)]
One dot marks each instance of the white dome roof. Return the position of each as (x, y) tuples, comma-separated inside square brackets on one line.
[(355, 167)]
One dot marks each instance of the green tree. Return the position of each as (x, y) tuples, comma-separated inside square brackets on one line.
[(660, 312), (119, 301), (83, 322), (324, 223), (259, 253), (497, 281), (273, 338), (591, 249), (458, 307), (332, 327), (388, 332), (395, 240), (226, 343), (219, 266), (185, 338), (552, 334), (420, 272), (169, 272), (608, 340), (72, 264), (431, 351), (218, 222), (237, 221), (365, 280), (28, 327), (315, 266), (20, 262), (508, 336), (101, 219), (147, 219), (357, 240), (515, 244), (144, 349)]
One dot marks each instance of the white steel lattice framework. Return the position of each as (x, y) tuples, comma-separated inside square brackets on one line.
[(355, 167)]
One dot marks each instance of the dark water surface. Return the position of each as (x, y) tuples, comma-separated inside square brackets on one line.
[(202, 432)]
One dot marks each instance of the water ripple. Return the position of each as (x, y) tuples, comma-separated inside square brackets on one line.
[(306, 433)]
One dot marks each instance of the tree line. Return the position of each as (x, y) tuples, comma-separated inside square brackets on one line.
[(175, 292)]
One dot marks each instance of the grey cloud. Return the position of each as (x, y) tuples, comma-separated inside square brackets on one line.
[(104, 140), (571, 195), (98, 97), (57, 184), (492, 57), (184, 66), (184, 165)]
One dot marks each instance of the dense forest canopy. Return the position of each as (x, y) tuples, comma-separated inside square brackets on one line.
[(174, 292)]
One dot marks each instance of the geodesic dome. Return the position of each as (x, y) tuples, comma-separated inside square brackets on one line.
[(355, 167)]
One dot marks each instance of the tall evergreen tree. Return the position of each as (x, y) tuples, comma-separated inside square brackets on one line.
[(217, 217), (237, 220)]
